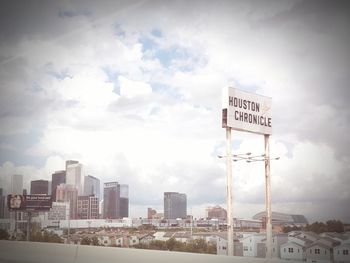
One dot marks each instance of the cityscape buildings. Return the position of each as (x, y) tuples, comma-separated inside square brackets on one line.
[(16, 184), (68, 193), (59, 211), (88, 207), (175, 205), (3, 207), (92, 186), (69, 162), (58, 177), (75, 177), (38, 187), (216, 212), (115, 200)]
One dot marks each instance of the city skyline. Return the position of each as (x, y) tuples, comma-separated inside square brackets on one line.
[(133, 90)]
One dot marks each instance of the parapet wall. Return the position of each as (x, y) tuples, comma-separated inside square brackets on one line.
[(35, 252)]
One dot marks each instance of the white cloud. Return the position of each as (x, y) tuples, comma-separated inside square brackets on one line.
[(130, 88)]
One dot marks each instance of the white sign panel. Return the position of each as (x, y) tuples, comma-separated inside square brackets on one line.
[(245, 111)]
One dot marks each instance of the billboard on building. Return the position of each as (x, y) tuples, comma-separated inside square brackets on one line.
[(245, 111), (29, 202)]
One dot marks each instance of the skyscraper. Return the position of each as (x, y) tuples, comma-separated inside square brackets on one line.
[(115, 200), (91, 186), (69, 162), (175, 205), (16, 184), (68, 193), (2, 204), (75, 177), (58, 177), (39, 187), (124, 201)]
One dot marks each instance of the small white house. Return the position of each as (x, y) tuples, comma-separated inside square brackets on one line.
[(292, 251), (319, 253), (342, 253), (250, 244)]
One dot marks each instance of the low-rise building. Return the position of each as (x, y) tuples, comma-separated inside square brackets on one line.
[(319, 253), (293, 251), (342, 253)]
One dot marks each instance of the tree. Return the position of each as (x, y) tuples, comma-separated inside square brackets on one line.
[(86, 241), (94, 241), (335, 226), (287, 229), (45, 236)]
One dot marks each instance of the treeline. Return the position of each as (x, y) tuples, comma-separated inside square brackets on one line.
[(319, 227), (195, 246), (45, 236)]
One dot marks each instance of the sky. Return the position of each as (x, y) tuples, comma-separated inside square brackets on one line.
[(133, 91)]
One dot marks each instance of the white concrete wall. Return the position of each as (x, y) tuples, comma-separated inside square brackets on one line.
[(35, 252)]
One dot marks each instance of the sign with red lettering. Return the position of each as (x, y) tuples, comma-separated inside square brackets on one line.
[(244, 111)]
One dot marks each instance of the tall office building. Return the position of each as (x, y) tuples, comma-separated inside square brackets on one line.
[(124, 201), (39, 187), (58, 177), (68, 193), (2, 204), (115, 200), (88, 207), (75, 177), (16, 184), (91, 186), (175, 205), (69, 162)]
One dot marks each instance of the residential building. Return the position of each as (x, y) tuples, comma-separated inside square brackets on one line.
[(293, 251), (75, 177), (319, 253), (58, 177), (277, 241), (68, 193), (175, 205), (221, 245), (216, 212), (253, 244), (92, 186), (88, 207), (39, 187), (115, 200), (342, 253)]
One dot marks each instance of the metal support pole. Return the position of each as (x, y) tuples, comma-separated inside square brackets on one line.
[(230, 248), (29, 214), (268, 198)]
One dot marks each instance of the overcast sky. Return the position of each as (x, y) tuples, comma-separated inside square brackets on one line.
[(132, 89)]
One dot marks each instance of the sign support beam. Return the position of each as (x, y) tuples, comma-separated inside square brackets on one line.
[(268, 198), (230, 248)]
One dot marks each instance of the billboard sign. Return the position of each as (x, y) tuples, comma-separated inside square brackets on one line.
[(29, 202), (245, 111)]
